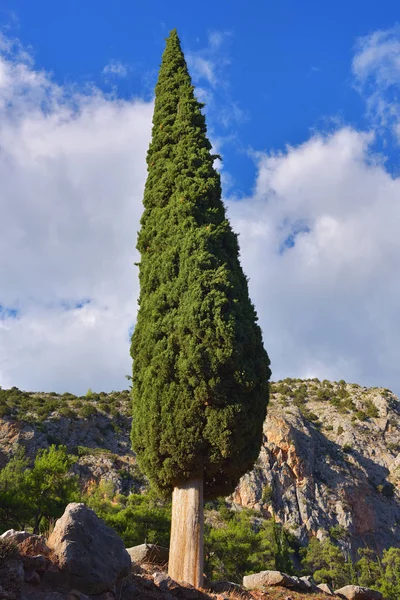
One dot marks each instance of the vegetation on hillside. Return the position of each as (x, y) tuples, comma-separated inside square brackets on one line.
[(237, 542)]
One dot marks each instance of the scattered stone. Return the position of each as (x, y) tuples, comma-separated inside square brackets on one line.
[(89, 551), (355, 592), (268, 578), (149, 553), (324, 587), (300, 585)]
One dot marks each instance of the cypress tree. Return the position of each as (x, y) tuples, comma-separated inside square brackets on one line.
[(200, 372)]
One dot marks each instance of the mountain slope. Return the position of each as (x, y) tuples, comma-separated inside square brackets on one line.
[(329, 463)]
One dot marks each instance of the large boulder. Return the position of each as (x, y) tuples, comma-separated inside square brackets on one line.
[(268, 578), (324, 587), (355, 592), (149, 553), (88, 551)]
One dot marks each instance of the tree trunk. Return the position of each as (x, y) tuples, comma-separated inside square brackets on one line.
[(186, 552)]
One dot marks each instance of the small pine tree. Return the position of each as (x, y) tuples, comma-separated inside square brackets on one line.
[(200, 372)]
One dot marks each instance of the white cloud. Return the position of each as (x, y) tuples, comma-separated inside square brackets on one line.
[(328, 304), (208, 64), (72, 170), (116, 68), (376, 67)]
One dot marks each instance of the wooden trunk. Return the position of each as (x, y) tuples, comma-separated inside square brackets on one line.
[(186, 554)]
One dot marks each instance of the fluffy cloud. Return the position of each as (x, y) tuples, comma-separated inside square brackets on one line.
[(320, 244), (318, 236), (72, 170)]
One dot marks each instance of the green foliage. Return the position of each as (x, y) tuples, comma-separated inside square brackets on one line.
[(368, 568), (326, 562), (242, 545), (87, 411), (137, 519), (267, 494), (390, 582), (33, 496), (370, 409), (50, 484), (200, 372)]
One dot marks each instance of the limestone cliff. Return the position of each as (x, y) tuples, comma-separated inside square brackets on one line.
[(330, 462)]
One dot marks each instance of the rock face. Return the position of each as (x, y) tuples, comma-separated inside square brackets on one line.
[(355, 592), (324, 463), (88, 551)]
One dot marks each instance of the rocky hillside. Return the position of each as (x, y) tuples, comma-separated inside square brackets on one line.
[(329, 463)]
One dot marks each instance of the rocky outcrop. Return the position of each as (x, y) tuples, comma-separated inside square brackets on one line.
[(89, 552), (329, 462), (355, 592), (325, 466)]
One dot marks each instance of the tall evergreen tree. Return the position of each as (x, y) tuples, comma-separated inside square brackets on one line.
[(200, 372)]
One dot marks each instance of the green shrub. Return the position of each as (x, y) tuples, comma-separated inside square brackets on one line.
[(87, 411), (371, 410), (267, 494)]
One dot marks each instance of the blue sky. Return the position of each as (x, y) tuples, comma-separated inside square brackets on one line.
[(302, 103), (286, 63)]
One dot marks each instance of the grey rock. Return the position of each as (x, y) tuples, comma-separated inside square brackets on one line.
[(15, 536), (149, 553), (12, 578), (324, 587), (311, 487), (268, 578), (88, 551), (308, 582), (301, 585), (355, 592)]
